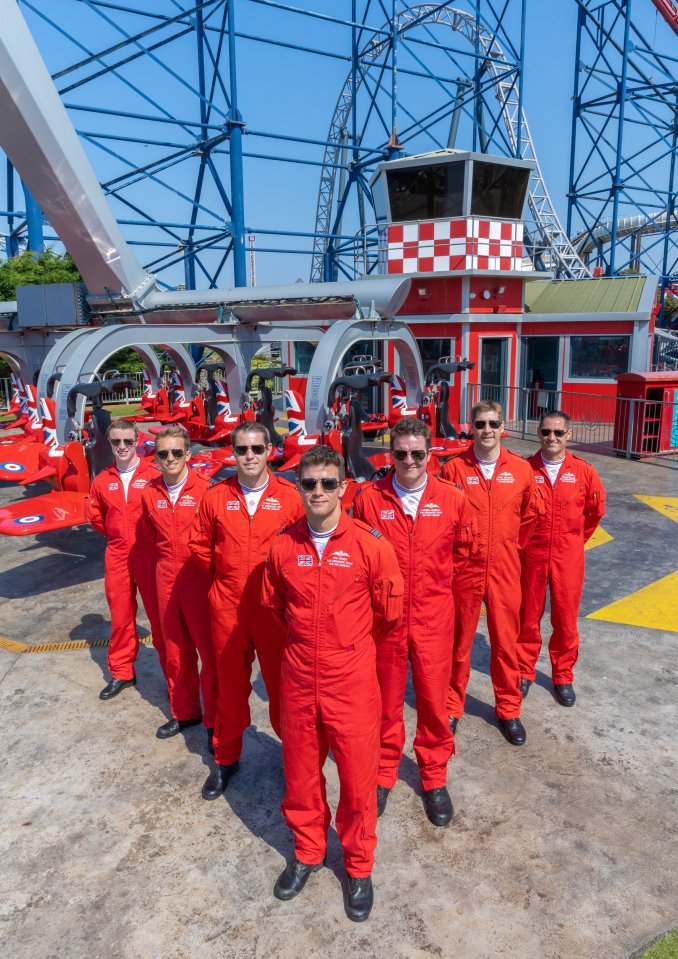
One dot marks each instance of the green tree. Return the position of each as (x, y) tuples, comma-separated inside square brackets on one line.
[(29, 270)]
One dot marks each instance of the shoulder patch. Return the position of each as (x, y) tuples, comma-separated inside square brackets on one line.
[(283, 530), (375, 532)]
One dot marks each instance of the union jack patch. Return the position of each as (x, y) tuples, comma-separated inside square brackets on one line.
[(304, 560)]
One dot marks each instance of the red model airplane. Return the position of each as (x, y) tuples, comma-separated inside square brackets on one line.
[(68, 468)]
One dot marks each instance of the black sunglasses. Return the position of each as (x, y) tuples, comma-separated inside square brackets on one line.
[(257, 449), (328, 483), (178, 454), (493, 424), (401, 455), (558, 433), (128, 443)]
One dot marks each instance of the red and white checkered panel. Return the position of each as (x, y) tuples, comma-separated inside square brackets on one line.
[(442, 246)]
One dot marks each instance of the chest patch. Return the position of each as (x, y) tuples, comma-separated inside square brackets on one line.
[(568, 478), (161, 504), (233, 504), (187, 501), (139, 484), (113, 486), (271, 503), (431, 509), (304, 559), (473, 480), (539, 479), (388, 514), (506, 477), (339, 558)]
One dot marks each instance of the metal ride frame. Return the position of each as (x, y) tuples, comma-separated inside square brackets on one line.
[(618, 75), (371, 118), (78, 355), (622, 182)]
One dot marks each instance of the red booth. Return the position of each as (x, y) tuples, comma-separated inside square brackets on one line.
[(655, 414)]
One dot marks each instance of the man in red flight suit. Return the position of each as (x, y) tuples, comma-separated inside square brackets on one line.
[(506, 502), (430, 525), (170, 503), (336, 585), (574, 500), (114, 509), (231, 537)]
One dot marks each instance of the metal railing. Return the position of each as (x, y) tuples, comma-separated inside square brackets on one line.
[(632, 428)]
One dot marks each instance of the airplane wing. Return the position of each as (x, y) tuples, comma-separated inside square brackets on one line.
[(19, 461), (38, 514)]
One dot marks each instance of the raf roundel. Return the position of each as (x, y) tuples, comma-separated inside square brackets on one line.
[(12, 467), (29, 520)]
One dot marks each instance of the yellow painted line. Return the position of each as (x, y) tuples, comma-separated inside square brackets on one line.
[(666, 505), (654, 606), (599, 538), (14, 647)]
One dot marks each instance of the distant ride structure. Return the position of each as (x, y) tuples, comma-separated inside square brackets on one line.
[(162, 103), (622, 181)]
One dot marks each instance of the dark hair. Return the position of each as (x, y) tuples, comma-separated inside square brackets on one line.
[(122, 424), (409, 426), (250, 426), (174, 430), (322, 456), (487, 406), (557, 414)]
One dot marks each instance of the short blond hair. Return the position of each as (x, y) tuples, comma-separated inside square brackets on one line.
[(488, 406), (174, 431)]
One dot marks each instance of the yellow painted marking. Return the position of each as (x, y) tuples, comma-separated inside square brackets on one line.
[(14, 647), (599, 537), (654, 606), (666, 505)]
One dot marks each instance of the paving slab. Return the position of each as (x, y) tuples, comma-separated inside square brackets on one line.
[(562, 849)]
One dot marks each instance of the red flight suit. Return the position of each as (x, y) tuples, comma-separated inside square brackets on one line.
[(554, 556), (335, 611), (431, 551), (506, 509), (129, 563), (231, 546), (183, 604)]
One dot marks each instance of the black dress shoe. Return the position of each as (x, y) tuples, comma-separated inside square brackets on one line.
[(175, 726), (210, 744), (293, 878), (218, 779), (382, 799), (359, 898), (116, 686), (514, 731), (564, 694), (438, 806), (453, 724), (525, 686)]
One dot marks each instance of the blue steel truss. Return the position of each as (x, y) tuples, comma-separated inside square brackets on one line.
[(152, 89), (155, 145), (622, 183)]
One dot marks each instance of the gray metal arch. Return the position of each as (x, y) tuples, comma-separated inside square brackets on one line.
[(556, 251), (78, 358), (26, 351), (236, 343), (330, 352), (17, 364)]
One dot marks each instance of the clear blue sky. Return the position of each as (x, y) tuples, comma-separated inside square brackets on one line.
[(287, 92)]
